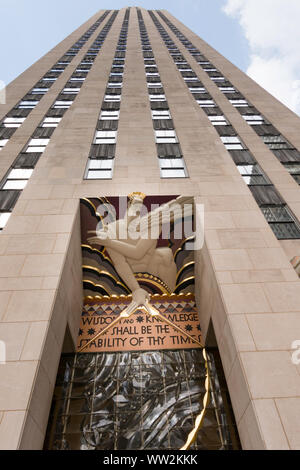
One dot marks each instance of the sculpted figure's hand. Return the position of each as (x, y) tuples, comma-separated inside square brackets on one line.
[(98, 235), (140, 296)]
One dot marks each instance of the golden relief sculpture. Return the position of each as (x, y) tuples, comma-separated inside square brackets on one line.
[(131, 243)]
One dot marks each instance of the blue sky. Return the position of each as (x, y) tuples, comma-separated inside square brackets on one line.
[(43, 28), (258, 36)]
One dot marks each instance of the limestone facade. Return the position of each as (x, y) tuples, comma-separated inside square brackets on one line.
[(246, 286)]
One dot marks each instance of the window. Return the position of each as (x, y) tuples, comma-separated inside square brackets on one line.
[(239, 103), (155, 85), (161, 114), (254, 119), (294, 170), (75, 79), (112, 98), (51, 122), (252, 175), (105, 137), (4, 219), (206, 103), (39, 91), (152, 74), (37, 145), (276, 214), (114, 85), (117, 69), (13, 122), (232, 143), (157, 97), (116, 79), (166, 137), (17, 179), (218, 120), (281, 222), (190, 79), (172, 168), (27, 104), (184, 67), (35, 149), (197, 90), (110, 115), (276, 142), (99, 169), (62, 104), (49, 79), (71, 90), (3, 142), (227, 89), (218, 79), (20, 174)]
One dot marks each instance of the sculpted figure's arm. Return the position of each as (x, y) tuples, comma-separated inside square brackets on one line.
[(135, 252), (123, 269), (139, 295), (118, 252)]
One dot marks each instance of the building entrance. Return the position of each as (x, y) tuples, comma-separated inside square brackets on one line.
[(141, 377)]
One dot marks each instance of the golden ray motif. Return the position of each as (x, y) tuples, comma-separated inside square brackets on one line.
[(191, 278), (181, 245), (191, 263), (200, 418), (106, 273), (97, 251), (93, 207), (151, 279)]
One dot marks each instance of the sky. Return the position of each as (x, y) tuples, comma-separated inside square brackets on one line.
[(261, 37)]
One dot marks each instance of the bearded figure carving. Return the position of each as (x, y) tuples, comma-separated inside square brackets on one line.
[(131, 243)]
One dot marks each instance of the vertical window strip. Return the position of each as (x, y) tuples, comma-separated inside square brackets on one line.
[(170, 158), (17, 115), (278, 215), (102, 154), (20, 172), (283, 150)]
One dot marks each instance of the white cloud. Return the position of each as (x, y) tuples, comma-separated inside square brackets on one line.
[(272, 30)]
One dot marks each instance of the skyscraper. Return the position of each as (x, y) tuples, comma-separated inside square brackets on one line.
[(120, 343)]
